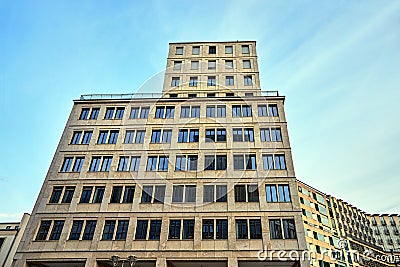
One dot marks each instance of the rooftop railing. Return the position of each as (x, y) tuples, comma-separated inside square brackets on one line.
[(166, 95)]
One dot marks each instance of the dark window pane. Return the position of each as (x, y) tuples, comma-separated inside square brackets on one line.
[(255, 229), (89, 230), (116, 194), (84, 114), (174, 229), (155, 229), (222, 229), (122, 230), (252, 191), (147, 193), (68, 194), (275, 229), (289, 228), (108, 231), (240, 193), (98, 194), (86, 194), (57, 229), (56, 195), (241, 229), (129, 194), (76, 230), (208, 229), (208, 193), (159, 194), (221, 193), (141, 229), (188, 229), (43, 230), (177, 194)]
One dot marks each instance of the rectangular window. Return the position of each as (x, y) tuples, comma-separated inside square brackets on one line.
[(76, 230), (108, 231), (120, 113), (185, 111), (212, 50), (237, 135), (86, 194), (246, 64), (208, 229), (86, 137), (212, 64), (84, 114), (241, 111), (122, 229), (265, 135), (76, 137), (128, 194), (183, 136), (102, 137), (165, 112), (221, 229), (284, 193), (56, 231), (78, 164), (89, 230), (208, 193), (144, 112), (135, 163), (289, 229), (177, 65), (275, 229), (210, 135), (192, 163), (174, 229), (245, 49), (134, 113), (252, 193), (155, 229), (116, 194), (276, 135), (105, 166), (211, 81), (210, 111), (177, 194), (240, 193), (262, 111), (280, 163), (179, 51), (229, 81), (255, 229), (268, 162), (221, 162), (109, 113), (273, 110), (147, 193), (68, 194), (221, 135), (248, 135), (159, 194), (156, 136), (151, 163), (194, 65), (248, 80), (221, 111), (229, 64), (190, 193), (56, 195), (139, 138), (43, 230), (195, 112), (141, 229), (238, 162), (98, 194), (188, 229), (221, 193), (95, 113), (163, 163), (228, 49), (250, 161), (175, 81), (196, 50), (193, 81), (169, 112), (123, 164), (194, 136), (271, 193), (113, 137), (66, 166), (241, 229), (209, 163)]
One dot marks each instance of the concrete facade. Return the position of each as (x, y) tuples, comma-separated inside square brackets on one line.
[(180, 180)]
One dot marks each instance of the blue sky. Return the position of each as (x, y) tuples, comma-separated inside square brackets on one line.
[(337, 62)]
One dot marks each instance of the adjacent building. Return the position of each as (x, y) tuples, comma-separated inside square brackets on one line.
[(332, 224), (201, 175), (10, 237)]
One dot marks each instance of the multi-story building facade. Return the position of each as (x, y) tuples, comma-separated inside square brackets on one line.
[(200, 176), (10, 236), (332, 224)]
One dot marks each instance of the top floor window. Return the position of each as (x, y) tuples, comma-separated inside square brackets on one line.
[(114, 113), (246, 64), (179, 51), (270, 110), (228, 49), (177, 65), (196, 50), (241, 111), (245, 49), (86, 111), (212, 50)]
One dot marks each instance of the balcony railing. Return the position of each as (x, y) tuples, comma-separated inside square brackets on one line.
[(166, 95)]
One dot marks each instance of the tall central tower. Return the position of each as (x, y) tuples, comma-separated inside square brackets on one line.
[(200, 176)]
